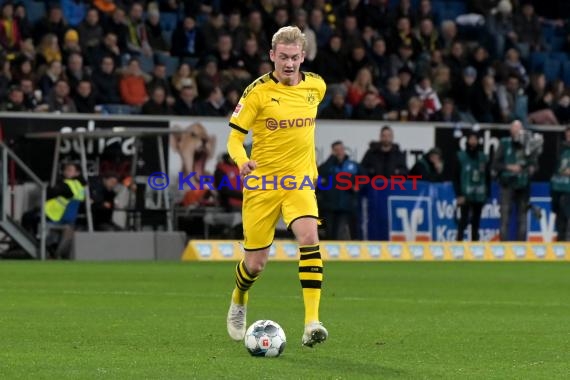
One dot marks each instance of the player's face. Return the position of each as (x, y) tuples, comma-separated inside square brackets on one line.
[(287, 59)]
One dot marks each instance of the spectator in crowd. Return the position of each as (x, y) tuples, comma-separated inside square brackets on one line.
[(10, 36), (226, 180), (471, 183), (75, 71), (59, 100), (361, 85), (464, 94), (187, 40), (15, 102), (415, 111), (512, 100), (236, 29), (331, 63), (53, 74), (49, 50), (485, 106), (562, 109), (338, 207), (52, 23), (84, 98), (322, 29), (393, 98), (528, 32), (70, 45), (90, 32), (159, 78), (32, 97), (132, 85), (430, 99), (117, 25), (154, 33), (185, 105), (540, 101), (24, 24), (106, 82), (157, 104), (369, 108), (560, 189), (183, 77), (103, 190), (447, 113), (109, 47), (214, 104), (430, 166), (513, 168), (384, 157), (137, 39), (337, 108), (500, 26)]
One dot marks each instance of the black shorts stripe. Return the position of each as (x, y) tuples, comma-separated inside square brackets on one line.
[(311, 269), (238, 128), (299, 217), (311, 284), (309, 256), (309, 248)]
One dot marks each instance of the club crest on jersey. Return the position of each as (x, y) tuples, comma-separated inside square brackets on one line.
[(311, 97), (237, 110)]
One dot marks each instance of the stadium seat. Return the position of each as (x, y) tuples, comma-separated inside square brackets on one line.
[(552, 69), (566, 73), (36, 11), (547, 32), (147, 63), (171, 64), (168, 20), (537, 60), (556, 43), (559, 56), (117, 109)]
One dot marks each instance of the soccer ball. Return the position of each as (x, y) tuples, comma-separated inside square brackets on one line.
[(265, 338)]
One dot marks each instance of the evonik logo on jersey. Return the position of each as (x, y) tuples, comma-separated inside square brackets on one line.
[(541, 230), (410, 218)]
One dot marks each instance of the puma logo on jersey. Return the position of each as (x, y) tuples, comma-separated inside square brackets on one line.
[(275, 100)]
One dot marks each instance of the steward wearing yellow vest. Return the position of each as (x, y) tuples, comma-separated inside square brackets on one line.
[(72, 187)]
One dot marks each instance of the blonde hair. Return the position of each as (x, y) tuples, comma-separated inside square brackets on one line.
[(289, 35)]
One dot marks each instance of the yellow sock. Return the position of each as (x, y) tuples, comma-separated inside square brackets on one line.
[(311, 277), (244, 281)]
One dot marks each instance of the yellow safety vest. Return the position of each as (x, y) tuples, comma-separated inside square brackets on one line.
[(55, 207)]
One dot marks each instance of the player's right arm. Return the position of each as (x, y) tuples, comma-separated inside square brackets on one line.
[(242, 119)]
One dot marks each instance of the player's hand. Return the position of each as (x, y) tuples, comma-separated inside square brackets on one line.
[(247, 168)]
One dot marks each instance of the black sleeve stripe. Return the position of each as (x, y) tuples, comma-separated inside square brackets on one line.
[(237, 128)]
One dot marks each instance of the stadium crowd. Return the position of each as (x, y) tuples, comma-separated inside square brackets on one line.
[(416, 60)]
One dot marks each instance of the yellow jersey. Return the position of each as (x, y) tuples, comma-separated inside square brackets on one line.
[(282, 120)]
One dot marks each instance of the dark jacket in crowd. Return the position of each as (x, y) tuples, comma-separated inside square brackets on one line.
[(378, 162)]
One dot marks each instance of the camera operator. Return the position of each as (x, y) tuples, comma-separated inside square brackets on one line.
[(514, 164), (560, 188)]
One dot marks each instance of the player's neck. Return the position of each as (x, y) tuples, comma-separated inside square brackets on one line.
[(286, 82)]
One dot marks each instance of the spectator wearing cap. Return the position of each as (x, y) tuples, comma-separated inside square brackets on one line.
[(70, 44), (15, 101), (52, 23), (10, 37), (132, 86), (464, 92), (106, 82), (90, 32)]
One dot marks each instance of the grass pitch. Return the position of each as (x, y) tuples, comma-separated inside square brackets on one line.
[(71, 320)]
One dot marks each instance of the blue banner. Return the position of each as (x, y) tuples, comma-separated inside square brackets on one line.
[(429, 213)]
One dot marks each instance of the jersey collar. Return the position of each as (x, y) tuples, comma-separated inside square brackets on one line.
[(277, 80)]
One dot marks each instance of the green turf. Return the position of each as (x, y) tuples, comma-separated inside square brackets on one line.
[(69, 320)]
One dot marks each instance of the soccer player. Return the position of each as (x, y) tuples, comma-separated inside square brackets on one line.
[(280, 109)]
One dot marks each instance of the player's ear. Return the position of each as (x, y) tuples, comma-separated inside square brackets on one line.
[(272, 55)]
